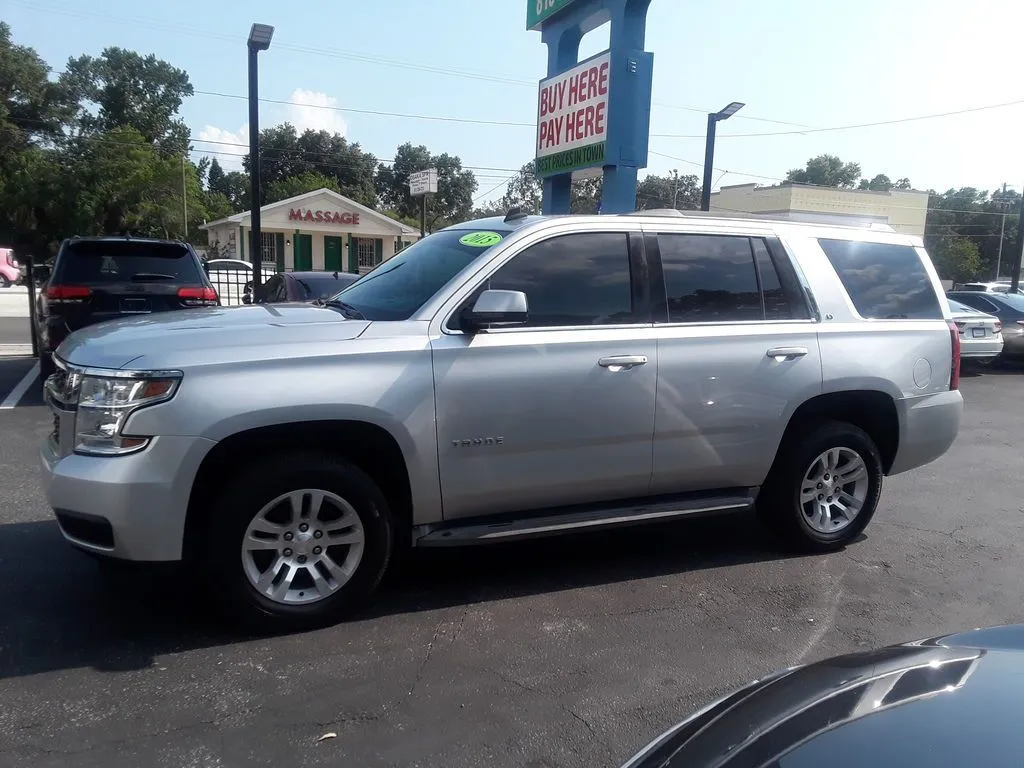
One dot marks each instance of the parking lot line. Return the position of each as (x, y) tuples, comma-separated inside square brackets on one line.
[(15, 395)]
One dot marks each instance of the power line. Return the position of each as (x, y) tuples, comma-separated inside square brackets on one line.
[(371, 111), (340, 54), (847, 127)]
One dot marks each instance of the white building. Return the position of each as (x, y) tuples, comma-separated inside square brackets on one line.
[(320, 230), (905, 210)]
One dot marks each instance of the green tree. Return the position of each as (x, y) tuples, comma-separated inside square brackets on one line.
[(903, 183), (672, 191), (826, 171), (298, 185), (215, 178), (122, 88), (880, 183), (285, 154), (957, 259), (455, 186), (585, 196), (524, 191)]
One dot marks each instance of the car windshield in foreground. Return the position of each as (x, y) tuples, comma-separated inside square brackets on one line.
[(100, 261), (397, 288)]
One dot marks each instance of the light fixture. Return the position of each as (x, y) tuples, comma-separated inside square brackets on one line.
[(260, 36), (730, 110)]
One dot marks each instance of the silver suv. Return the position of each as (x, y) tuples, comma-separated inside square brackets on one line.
[(503, 379)]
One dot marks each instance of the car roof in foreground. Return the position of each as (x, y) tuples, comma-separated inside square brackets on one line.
[(123, 239), (504, 225), (949, 701)]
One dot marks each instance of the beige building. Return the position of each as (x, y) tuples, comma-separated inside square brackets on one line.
[(320, 230), (904, 210)]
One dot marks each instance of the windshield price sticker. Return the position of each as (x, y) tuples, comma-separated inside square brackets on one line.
[(480, 239)]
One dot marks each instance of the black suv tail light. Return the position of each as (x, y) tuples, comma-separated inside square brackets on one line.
[(954, 373), (67, 294), (197, 297)]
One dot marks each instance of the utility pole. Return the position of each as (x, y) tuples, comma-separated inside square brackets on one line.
[(423, 216), (1015, 277), (184, 197)]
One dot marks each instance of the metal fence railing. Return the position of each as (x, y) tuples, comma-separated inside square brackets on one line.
[(230, 277)]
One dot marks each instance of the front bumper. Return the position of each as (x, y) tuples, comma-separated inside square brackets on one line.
[(928, 427), (138, 501)]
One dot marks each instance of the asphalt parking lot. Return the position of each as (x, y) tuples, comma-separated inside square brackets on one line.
[(566, 652)]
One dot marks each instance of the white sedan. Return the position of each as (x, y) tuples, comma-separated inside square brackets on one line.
[(981, 338)]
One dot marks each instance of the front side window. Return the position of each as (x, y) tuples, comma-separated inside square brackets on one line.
[(573, 280), (884, 281), (709, 279)]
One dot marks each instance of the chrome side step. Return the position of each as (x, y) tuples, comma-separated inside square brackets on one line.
[(482, 531)]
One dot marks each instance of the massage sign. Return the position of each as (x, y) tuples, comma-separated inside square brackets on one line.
[(572, 117)]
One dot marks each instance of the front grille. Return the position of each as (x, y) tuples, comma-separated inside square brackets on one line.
[(62, 396)]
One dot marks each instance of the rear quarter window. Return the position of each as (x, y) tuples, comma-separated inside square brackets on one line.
[(883, 281)]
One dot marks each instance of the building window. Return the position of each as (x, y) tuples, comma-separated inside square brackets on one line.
[(268, 247), (366, 249)]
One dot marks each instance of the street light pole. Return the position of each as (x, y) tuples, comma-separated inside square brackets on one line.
[(1015, 277), (709, 150), (260, 36)]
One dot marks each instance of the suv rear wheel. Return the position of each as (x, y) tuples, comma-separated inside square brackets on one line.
[(824, 487), (297, 542)]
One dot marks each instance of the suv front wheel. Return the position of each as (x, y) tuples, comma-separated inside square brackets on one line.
[(824, 487), (297, 542)]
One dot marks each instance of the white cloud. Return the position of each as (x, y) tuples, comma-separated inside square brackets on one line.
[(315, 110), (222, 144), (306, 110)]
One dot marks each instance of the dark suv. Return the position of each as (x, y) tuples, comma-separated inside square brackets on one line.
[(102, 278)]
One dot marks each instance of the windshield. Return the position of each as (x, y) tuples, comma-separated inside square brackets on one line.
[(324, 286), (396, 289), (1012, 300)]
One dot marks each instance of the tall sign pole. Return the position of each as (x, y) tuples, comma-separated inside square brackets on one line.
[(593, 116), (421, 184)]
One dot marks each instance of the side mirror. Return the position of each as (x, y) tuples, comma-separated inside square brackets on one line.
[(496, 309), (41, 272)]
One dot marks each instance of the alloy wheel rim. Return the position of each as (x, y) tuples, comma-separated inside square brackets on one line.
[(303, 546), (834, 490)]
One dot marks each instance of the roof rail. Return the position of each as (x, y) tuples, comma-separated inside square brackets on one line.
[(877, 226)]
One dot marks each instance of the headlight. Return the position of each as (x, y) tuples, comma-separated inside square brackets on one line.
[(105, 403)]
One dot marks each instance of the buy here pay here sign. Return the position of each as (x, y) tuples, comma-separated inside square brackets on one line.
[(572, 117)]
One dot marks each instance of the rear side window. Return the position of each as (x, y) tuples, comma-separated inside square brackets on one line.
[(101, 262), (723, 278), (883, 281)]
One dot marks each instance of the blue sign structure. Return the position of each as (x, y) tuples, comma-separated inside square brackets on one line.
[(595, 113)]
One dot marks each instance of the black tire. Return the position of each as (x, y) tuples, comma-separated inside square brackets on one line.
[(778, 503), (46, 367), (4, 282), (241, 499)]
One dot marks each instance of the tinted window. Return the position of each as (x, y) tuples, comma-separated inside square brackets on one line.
[(121, 262), (573, 280), (883, 281), (710, 279), (398, 287), (776, 304), (323, 286), (978, 302)]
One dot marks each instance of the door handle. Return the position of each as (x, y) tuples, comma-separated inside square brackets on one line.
[(617, 363), (786, 353)]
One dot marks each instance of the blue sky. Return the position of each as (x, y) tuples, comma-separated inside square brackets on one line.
[(804, 63)]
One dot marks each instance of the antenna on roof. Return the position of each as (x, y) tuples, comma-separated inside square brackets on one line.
[(514, 213)]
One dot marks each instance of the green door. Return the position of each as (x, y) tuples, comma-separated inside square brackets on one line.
[(332, 253), (303, 253)]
